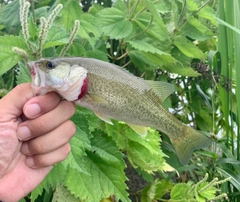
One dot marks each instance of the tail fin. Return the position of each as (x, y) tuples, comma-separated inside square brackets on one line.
[(185, 144)]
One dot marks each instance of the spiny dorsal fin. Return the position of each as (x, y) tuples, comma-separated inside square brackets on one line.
[(162, 89)]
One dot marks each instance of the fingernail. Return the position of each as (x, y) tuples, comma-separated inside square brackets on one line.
[(25, 149), (32, 110), (29, 162), (23, 133)]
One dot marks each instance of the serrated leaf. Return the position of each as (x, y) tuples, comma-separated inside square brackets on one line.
[(105, 165), (156, 16), (70, 12), (151, 60), (142, 152), (23, 74), (198, 25), (180, 191), (113, 22), (56, 176), (61, 194), (56, 37), (97, 54), (188, 48), (146, 47), (10, 16), (208, 193), (7, 57), (89, 27)]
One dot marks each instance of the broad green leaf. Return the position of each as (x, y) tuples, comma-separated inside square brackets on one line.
[(191, 5), (76, 49), (180, 191), (156, 16), (155, 191), (23, 74), (10, 16), (89, 28), (97, 54), (154, 30), (142, 152), (208, 193), (7, 57), (153, 60), (56, 37), (198, 25), (188, 48), (56, 176), (70, 12), (114, 23), (61, 194), (105, 164), (141, 157), (144, 46)]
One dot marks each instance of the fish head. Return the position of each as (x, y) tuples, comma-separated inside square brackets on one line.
[(68, 80)]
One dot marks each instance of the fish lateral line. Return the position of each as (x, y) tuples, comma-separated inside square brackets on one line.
[(84, 89)]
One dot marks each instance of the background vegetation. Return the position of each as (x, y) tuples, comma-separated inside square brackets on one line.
[(192, 44)]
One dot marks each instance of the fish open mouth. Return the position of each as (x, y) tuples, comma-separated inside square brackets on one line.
[(32, 68)]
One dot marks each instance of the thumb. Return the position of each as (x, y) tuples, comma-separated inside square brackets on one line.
[(12, 104)]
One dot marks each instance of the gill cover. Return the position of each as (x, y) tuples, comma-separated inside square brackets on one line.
[(61, 77)]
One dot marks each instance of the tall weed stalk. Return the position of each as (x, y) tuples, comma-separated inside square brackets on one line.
[(229, 48)]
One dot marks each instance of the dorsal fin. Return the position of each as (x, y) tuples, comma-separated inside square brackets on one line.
[(162, 89)]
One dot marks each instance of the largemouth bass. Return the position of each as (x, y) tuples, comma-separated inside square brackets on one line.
[(113, 93)]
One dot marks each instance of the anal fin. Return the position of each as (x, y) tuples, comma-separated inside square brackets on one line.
[(102, 117), (141, 130)]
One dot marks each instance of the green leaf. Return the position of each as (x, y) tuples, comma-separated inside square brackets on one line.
[(23, 74), (180, 191), (7, 57), (56, 176), (198, 25), (156, 16), (97, 54), (139, 149), (153, 60), (208, 193), (61, 194), (146, 47), (10, 16), (188, 48), (235, 178), (156, 190), (89, 27), (70, 12), (113, 22), (56, 37), (105, 165)]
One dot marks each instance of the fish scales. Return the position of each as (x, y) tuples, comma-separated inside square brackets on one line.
[(114, 93)]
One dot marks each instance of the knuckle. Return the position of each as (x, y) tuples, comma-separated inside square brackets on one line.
[(40, 161), (36, 147), (66, 149), (42, 125), (71, 128)]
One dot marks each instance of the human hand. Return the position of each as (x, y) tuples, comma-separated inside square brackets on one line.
[(43, 126)]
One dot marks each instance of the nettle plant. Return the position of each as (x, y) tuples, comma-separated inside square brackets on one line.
[(129, 34)]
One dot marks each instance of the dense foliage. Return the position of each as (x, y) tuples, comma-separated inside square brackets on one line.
[(167, 40)]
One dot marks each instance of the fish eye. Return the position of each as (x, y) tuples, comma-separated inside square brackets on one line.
[(50, 65)]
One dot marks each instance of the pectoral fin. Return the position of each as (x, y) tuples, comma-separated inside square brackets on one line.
[(107, 120), (141, 130), (96, 98), (161, 89)]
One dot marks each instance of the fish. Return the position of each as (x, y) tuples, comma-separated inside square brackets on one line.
[(113, 93)]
